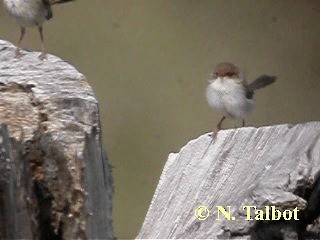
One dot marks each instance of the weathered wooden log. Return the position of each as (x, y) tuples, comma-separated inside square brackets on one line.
[(275, 166), (55, 180)]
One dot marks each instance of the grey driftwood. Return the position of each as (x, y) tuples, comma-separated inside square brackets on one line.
[(268, 166), (55, 180)]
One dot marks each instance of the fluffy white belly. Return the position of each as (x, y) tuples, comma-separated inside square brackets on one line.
[(27, 12), (228, 98)]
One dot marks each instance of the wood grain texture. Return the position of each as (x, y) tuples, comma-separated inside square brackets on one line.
[(60, 171), (275, 165)]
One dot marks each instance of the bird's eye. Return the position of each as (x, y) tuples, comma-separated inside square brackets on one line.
[(214, 74)]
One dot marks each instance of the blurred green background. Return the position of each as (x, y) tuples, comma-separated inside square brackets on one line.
[(148, 62)]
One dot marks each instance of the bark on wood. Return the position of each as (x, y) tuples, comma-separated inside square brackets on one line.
[(55, 180), (268, 166)]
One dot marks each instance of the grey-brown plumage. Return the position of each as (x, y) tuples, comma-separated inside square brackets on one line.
[(260, 82), (230, 94), (30, 13)]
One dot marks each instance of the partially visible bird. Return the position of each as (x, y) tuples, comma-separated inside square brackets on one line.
[(230, 94), (30, 13)]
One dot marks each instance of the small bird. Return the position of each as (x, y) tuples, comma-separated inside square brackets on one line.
[(30, 13), (230, 94)]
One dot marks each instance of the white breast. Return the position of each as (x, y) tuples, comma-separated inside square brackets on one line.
[(27, 12), (228, 97)]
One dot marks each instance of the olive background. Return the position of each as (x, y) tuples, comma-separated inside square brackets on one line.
[(148, 62)]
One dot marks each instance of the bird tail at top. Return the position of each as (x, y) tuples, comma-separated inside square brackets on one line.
[(60, 1), (262, 82)]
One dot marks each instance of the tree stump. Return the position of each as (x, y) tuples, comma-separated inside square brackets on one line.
[(275, 166), (55, 180)]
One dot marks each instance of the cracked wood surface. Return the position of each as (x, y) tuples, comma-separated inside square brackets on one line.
[(65, 180), (275, 165)]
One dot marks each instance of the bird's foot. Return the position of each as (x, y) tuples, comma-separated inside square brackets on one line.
[(214, 132), (43, 56), (18, 54)]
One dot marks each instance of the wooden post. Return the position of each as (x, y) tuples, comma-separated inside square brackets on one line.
[(55, 179), (231, 186)]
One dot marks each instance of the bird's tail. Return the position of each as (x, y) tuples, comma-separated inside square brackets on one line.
[(262, 82), (60, 1)]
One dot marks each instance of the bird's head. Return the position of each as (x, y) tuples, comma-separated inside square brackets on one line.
[(225, 69)]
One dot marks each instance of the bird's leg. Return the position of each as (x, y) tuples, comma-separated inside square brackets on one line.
[(219, 124), (43, 48), (22, 32), (243, 123)]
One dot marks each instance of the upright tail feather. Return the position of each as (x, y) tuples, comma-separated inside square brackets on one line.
[(60, 1), (262, 82)]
